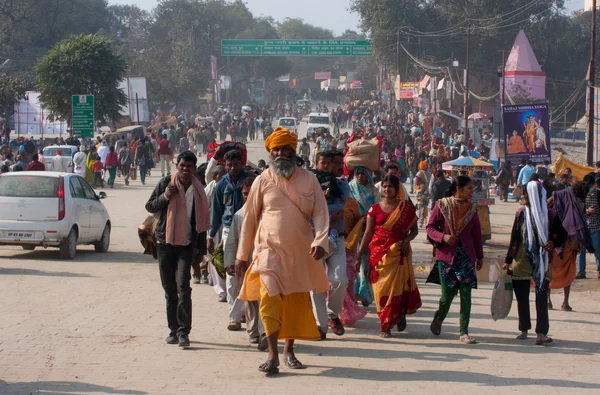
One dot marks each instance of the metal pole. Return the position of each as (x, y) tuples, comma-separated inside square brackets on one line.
[(466, 113), (398, 52), (592, 81), (503, 77), (137, 108)]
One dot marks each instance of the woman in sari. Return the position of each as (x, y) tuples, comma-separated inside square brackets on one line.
[(536, 232), (91, 157), (365, 194), (354, 225), (390, 264), (455, 230), (569, 204)]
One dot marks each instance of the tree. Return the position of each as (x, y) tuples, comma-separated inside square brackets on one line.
[(12, 89), (82, 64)]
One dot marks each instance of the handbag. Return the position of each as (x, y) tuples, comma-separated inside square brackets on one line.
[(517, 192), (147, 234), (132, 173)]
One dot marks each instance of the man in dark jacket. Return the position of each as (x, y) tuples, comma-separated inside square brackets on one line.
[(439, 187), (183, 219)]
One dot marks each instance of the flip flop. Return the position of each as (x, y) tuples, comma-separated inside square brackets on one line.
[(269, 368), (293, 363), (522, 336), (436, 326), (402, 324), (385, 334), (544, 340), (468, 339)]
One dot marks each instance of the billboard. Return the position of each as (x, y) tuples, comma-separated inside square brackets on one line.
[(322, 75), (407, 90), (527, 132), (132, 86)]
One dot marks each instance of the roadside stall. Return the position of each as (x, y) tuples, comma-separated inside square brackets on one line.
[(478, 170)]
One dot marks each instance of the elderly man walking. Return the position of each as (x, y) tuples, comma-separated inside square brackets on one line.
[(286, 263)]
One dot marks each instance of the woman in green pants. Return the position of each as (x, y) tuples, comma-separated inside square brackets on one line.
[(455, 231)]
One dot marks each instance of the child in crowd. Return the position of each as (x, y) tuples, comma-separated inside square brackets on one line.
[(422, 201), (97, 168)]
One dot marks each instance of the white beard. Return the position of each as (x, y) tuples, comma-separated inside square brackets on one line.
[(283, 167)]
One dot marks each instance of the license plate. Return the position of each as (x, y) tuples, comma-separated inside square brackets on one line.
[(20, 235)]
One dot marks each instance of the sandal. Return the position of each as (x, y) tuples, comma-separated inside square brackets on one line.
[(468, 339), (522, 336), (543, 340), (436, 326), (269, 367), (385, 334), (292, 362), (402, 324)]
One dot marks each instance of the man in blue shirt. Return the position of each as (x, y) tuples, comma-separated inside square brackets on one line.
[(327, 311), (227, 200), (525, 174)]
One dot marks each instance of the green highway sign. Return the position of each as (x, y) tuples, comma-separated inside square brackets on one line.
[(82, 115), (296, 48)]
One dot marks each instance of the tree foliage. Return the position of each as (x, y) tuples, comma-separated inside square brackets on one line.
[(12, 89), (434, 31), (82, 64)]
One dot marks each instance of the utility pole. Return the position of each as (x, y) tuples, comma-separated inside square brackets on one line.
[(398, 52), (503, 78), (466, 113), (589, 146)]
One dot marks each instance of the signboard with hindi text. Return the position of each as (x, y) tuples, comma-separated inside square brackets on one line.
[(82, 115), (296, 48)]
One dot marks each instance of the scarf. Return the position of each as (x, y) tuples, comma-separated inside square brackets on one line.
[(537, 232), (363, 195), (177, 213), (457, 214), (573, 220)]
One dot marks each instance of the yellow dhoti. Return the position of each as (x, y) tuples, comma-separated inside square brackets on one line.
[(290, 315)]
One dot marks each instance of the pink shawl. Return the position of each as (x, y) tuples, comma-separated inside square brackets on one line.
[(177, 213)]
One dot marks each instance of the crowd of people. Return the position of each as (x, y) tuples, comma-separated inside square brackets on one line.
[(350, 243), (299, 245)]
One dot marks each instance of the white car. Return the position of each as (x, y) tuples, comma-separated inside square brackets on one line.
[(49, 209), (317, 120), (290, 123), (67, 153)]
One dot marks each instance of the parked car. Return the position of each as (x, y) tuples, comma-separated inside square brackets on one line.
[(67, 152), (50, 209)]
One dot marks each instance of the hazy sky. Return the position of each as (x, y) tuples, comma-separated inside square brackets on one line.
[(331, 14)]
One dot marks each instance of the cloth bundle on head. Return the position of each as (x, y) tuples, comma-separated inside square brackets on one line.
[(423, 165), (280, 138), (537, 232)]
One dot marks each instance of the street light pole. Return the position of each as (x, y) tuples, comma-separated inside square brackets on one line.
[(466, 112), (591, 91)]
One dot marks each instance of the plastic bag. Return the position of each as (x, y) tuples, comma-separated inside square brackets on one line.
[(502, 297)]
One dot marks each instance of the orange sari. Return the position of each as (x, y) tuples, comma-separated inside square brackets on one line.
[(392, 275)]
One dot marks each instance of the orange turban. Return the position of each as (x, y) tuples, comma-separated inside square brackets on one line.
[(280, 138), (423, 165)]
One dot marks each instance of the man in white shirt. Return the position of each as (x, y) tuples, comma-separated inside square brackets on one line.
[(59, 164)]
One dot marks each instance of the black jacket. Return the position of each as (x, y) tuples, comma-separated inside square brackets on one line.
[(158, 203), (438, 189)]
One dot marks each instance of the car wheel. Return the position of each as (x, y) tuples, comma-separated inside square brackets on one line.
[(104, 242), (28, 247), (68, 247)]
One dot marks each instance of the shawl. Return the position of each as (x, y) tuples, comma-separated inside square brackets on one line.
[(457, 214), (572, 218), (177, 213), (537, 231), (364, 195)]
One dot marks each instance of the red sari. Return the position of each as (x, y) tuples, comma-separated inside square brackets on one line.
[(392, 275)]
